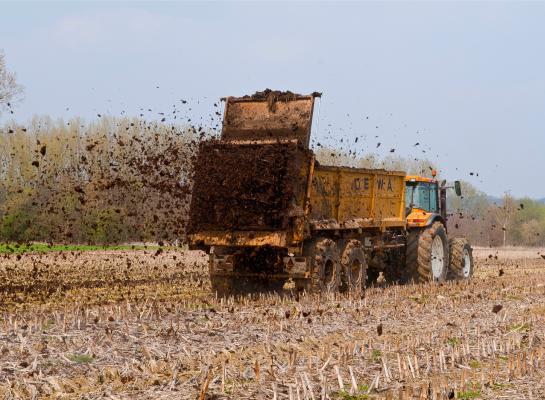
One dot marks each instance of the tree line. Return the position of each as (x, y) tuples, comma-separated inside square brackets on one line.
[(109, 181), (508, 221), (485, 222), (121, 180)]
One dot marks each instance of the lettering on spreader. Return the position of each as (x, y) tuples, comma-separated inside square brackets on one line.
[(389, 187), (357, 184)]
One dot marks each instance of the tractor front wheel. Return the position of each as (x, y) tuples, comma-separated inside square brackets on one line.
[(461, 259), (427, 254)]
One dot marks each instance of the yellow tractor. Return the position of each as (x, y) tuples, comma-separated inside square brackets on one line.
[(427, 249), (270, 216)]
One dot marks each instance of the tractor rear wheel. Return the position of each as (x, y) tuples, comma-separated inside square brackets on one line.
[(461, 259), (325, 265), (354, 266), (427, 254)]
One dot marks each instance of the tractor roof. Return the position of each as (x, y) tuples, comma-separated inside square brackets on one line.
[(418, 178)]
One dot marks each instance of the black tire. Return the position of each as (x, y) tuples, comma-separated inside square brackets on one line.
[(325, 265), (419, 254), (460, 252), (354, 266)]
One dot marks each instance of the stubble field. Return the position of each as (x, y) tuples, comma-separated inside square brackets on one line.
[(144, 324)]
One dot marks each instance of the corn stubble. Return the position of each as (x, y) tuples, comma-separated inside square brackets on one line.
[(143, 324)]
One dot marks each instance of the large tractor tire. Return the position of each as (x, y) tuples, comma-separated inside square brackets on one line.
[(461, 259), (427, 254), (354, 266), (325, 266)]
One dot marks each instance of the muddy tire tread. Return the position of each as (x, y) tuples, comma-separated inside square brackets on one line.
[(418, 253), (456, 258), (354, 250), (321, 249)]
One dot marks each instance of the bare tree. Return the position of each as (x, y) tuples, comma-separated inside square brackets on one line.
[(504, 213), (10, 90), (530, 232)]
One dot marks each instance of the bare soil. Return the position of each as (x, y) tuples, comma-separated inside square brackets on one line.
[(139, 325), (276, 95)]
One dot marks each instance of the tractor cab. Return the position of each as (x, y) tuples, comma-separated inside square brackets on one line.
[(426, 200)]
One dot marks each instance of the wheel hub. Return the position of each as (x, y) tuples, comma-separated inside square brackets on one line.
[(467, 264), (437, 258)]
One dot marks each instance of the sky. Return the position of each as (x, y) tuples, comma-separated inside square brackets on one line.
[(465, 80)]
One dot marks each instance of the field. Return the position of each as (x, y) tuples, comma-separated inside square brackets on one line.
[(15, 248), (142, 323)]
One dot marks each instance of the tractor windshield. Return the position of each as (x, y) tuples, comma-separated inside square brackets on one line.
[(421, 195)]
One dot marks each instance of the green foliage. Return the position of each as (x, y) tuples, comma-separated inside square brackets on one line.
[(376, 354), (15, 248), (105, 226), (500, 386), (363, 387), (14, 226), (473, 391), (48, 324), (361, 394), (104, 182), (527, 226), (422, 299), (342, 395), (509, 221), (110, 181), (453, 341), (525, 327), (80, 358), (18, 223), (469, 394)]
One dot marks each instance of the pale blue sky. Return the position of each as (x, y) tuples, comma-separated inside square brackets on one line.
[(466, 80)]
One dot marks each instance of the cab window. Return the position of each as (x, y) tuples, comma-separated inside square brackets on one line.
[(421, 195)]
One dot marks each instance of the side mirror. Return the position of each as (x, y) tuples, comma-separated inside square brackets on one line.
[(457, 188)]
